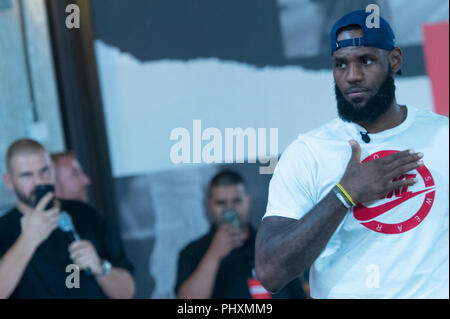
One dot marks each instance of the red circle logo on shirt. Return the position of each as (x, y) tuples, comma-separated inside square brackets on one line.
[(369, 216)]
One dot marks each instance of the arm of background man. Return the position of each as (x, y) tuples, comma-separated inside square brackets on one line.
[(201, 283), (119, 284), (286, 247), (13, 264), (35, 228)]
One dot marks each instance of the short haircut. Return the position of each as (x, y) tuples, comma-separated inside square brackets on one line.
[(24, 146), (56, 157), (226, 178)]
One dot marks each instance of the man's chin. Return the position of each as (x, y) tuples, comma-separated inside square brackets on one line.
[(357, 103)]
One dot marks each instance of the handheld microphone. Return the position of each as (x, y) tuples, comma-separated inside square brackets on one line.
[(66, 225), (365, 137)]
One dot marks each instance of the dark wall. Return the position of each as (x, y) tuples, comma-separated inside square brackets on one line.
[(240, 30), (247, 31)]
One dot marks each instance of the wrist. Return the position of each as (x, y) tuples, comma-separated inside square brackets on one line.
[(104, 268), (212, 256), (348, 192), (344, 197), (28, 242)]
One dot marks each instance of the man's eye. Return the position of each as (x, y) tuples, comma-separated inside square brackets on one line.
[(341, 65), (367, 61), (75, 174)]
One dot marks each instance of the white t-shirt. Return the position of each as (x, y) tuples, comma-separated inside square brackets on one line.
[(396, 247)]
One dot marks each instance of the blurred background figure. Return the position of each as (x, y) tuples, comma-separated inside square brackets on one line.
[(35, 250), (71, 182), (221, 263)]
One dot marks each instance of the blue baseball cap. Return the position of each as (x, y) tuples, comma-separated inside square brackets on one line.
[(380, 36)]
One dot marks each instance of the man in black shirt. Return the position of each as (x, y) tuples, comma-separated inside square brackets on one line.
[(35, 253), (220, 264)]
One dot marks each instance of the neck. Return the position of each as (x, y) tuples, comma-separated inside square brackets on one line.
[(24, 209), (394, 116)]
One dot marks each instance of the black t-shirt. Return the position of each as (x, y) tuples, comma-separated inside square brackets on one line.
[(45, 275), (234, 270)]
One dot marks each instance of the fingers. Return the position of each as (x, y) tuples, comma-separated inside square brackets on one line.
[(356, 151), (234, 236), (82, 253), (48, 218), (404, 169), (403, 183), (84, 262), (44, 201), (230, 230), (53, 220), (402, 163), (80, 246), (238, 238), (397, 159)]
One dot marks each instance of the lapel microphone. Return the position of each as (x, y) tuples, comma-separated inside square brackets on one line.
[(365, 137)]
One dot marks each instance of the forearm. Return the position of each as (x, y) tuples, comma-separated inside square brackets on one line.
[(119, 284), (286, 252), (13, 265), (200, 284)]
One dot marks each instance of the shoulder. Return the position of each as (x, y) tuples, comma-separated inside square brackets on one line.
[(431, 124), (318, 137), (72, 206), (9, 228), (432, 119), (82, 213), (197, 246), (10, 218), (304, 151), (420, 112)]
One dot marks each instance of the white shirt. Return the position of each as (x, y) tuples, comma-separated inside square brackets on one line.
[(396, 247)]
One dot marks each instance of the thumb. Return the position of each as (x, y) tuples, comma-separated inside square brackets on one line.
[(356, 151)]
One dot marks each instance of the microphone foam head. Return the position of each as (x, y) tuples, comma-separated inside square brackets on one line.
[(65, 222)]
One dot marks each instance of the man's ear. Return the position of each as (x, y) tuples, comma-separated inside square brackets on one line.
[(249, 198), (396, 59), (7, 178)]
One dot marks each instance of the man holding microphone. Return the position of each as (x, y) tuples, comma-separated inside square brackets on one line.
[(34, 252)]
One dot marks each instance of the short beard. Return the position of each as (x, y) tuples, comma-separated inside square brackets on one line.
[(376, 106), (29, 200)]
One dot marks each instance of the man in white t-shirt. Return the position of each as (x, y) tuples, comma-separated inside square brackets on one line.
[(362, 200)]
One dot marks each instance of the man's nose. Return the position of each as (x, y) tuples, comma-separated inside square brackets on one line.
[(38, 180), (229, 206), (86, 179), (354, 73)]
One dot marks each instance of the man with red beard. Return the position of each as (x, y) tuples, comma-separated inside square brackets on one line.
[(71, 182), (362, 200)]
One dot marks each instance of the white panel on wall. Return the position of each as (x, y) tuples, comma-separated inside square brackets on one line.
[(144, 102)]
